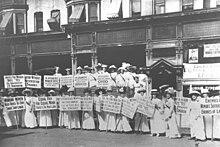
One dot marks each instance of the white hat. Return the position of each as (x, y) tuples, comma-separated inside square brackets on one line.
[(163, 87), (79, 68), (86, 67), (71, 89), (141, 90), (104, 66), (51, 91), (121, 68), (112, 66), (170, 90), (203, 91), (99, 65), (27, 90), (194, 92)]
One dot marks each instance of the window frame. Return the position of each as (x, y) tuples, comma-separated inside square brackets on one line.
[(135, 14), (37, 23), (159, 4)]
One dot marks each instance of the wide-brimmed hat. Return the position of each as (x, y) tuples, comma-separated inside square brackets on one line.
[(141, 90), (112, 67), (121, 68), (170, 91), (71, 89), (87, 90), (194, 92), (204, 91), (164, 87), (99, 65), (51, 91), (154, 92), (98, 90), (104, 66), (79, 68), (86, 67), (26, 90)]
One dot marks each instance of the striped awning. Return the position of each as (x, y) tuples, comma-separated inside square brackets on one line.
[(5, 20), (114, 8)]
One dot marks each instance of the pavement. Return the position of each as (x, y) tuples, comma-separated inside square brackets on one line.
[(56, 137)]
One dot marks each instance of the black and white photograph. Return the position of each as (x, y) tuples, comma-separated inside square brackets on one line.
[(109, 73)]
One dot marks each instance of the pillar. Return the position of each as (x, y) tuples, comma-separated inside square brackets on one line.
[(73, 53), (94, 56), (12, 59), (29, 58)]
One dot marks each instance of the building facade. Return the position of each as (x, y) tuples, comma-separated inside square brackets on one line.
[(160, 35)]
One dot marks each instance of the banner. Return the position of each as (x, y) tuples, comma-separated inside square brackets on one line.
[(45, 103), (51, 81), (70, 103), (14, 103), (97, 104), (211, 50), (128, 108), (112, 104), (201, 71), (103, 80), (86, 103), (81, 81), (182, 105), (210, 106), (66, 80), (145, 106), (33, 81), (14, 81)]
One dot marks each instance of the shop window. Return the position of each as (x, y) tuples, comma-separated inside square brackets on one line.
[(93, 13), (159, 6), (136, 8), (115, 9), (38, 17), (20, 23), (187, 5), (54, 21), (164, 52)]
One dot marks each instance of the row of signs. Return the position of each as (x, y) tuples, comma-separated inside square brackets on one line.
[(34, 81)]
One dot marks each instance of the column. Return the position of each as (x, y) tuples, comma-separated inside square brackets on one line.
[(12, 59), (29, 58), (73, 53), (94, 56), (148, 51)]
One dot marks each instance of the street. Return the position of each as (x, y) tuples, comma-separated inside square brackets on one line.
[(56, 137)]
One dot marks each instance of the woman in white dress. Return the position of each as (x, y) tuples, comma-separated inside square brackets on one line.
[(172, 130), (29, 117), (197, 129), (141, 121), (54, 113), (73, 116), (88, 122), (2, 121), (45, 115), (122, 122), (63, 115), (157, 122)]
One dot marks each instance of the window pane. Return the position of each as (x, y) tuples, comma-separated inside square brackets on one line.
[(38, 21), (20, 23), (187, 2), (136, 6), (93, 16), (164, 52)]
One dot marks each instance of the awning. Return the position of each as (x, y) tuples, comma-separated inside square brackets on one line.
[(76, 14), (5, 20), (114, 8)]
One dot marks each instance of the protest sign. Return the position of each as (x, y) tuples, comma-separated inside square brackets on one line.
[(45, 103), (145, 106), (97, 104), (66, 80), (182, 105), (210, 106), (128, 108), (32, 81), (81, 81), (51, 81), (14, 103), (103, 80), (112, 104), (86, 103), (70, 103), (14, 81)]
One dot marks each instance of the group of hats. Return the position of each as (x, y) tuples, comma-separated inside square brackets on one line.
[(195, 92)]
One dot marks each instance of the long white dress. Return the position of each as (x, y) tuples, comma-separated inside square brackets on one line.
[(101, 117), (88, 120), (172, 130), (157, 122), (123, 122), (73, 120), (197, 129), (216, 125), (29, 117), (45, 118)]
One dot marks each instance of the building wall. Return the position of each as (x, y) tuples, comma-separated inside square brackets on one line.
[(45, 6)]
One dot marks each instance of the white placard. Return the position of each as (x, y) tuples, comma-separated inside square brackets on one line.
[(212, 50), (33, 81), (14, 81), (210, 106), (202, 71), (182, 105), (103, 80), (112, 104), (86, 103), (51, 81), (45, 103), (70, 103), (81, 81), (128, 108), (14, 103), (66, 80)]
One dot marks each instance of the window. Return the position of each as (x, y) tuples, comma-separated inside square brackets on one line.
[(6, 24), (206, 4), (164, 52), (38, 16), (54, 21), (20, 23), (136, 7), (78, 14), (159, 6), (115, 9), (93, 13), (218, 3), (187, 5)]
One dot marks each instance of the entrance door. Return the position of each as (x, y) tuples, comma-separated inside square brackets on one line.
[(134, 55)]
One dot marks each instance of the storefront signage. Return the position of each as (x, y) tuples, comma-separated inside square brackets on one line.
[(212, 50), (202, 71)]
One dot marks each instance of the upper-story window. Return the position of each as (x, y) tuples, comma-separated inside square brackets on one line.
[(218, 3), (38, 18), (83, 12), (54, 21), (115, 9), (136, 8), (6, 24), (206, 3), (187, 5), (20, 23), (159, 6)]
